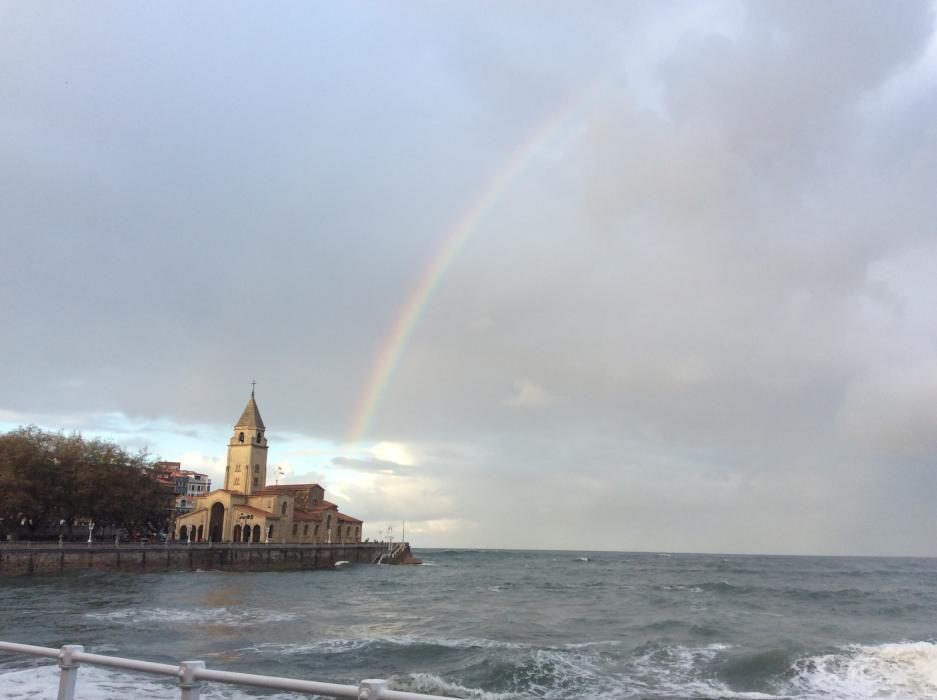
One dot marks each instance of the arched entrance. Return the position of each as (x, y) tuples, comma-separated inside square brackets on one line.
[(216, 523), (184, 533), (237, 533), (256, 537), (247, 533)]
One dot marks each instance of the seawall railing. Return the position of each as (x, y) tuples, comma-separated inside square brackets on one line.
[(190, 674)]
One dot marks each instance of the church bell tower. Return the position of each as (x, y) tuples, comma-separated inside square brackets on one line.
[(247, 453)]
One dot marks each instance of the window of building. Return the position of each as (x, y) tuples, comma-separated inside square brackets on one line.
[(348, 531), (256, 468), (315, 530), (357, 531), (258, 438), (305, 530), (283, 508), (295, 529), (255, 480), (237, 480), (241, 437)]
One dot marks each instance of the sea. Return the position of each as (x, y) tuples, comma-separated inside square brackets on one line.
[(502, 624)]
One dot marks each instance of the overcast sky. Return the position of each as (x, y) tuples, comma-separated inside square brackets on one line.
[(691, 308)]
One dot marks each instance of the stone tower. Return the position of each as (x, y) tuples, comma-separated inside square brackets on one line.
[(247, 453)]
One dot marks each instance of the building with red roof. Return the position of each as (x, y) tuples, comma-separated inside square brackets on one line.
[(248, 509)]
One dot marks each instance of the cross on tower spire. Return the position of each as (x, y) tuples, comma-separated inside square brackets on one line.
[(252, 387)]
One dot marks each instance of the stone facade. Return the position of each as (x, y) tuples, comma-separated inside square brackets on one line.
[(247, 509)]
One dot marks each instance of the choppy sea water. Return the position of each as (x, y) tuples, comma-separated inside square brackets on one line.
[(504, 624)]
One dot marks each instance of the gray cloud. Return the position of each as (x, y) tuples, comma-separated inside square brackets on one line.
[(699, 318)]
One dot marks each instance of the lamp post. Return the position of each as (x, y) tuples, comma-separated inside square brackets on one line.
[(90, 532)]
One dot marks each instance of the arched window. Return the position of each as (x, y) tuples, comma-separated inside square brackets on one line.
[(255, 480), (295, 529), (283, 508), (258, 438), (237, 533), (305, 530), (357, 531), (270, 532), (237, 467), (256, 468), (184, 533), (241, 437)]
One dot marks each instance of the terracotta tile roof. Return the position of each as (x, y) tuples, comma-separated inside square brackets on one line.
[(203, 495), (305, 515), (285, 488), (191, 512), (325, 505), (258, 511)]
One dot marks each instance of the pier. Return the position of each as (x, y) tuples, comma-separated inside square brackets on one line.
[(25, 558)]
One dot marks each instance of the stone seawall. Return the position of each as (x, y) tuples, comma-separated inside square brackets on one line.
[(22, 560)]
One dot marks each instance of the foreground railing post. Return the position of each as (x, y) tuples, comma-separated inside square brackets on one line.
[(370, 688), (68, 670), (187, 680)]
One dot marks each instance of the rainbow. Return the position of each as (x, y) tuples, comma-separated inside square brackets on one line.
[(417, 301)]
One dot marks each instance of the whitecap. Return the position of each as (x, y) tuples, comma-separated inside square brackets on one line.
[(901, 671), (227, 617)]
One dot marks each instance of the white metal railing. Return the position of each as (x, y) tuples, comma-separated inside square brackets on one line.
[(190, 673)]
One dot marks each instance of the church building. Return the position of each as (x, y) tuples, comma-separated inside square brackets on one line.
[(247, 509)]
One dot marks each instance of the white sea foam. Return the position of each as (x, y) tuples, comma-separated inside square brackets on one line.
[(226, 617), (899, 671), (336, 646), (677, 670), (428, 683)]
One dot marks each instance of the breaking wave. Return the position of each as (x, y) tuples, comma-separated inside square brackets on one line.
[(507, 671)]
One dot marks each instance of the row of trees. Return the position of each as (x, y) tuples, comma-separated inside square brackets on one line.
[(51, 483)]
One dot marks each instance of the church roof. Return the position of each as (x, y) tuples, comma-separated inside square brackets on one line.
[(250, 418), (347, 518), (303, 515), (284, 488)]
